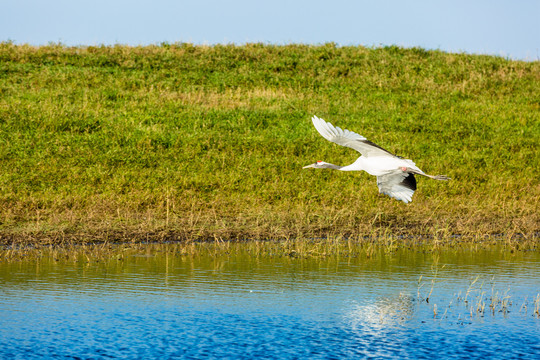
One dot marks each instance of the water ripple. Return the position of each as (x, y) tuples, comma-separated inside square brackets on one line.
[(235, 307)]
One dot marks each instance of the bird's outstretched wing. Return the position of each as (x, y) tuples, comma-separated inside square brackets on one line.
[(397, 184), (348, 138)]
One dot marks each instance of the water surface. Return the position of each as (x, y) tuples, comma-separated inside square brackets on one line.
[(238, 305)]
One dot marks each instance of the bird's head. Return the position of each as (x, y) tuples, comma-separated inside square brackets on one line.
[(318, 165)]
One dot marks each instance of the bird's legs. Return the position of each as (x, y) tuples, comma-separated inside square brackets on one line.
[(435, 177)]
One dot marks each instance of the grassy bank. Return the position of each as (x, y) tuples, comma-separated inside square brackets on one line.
[(198, 142)]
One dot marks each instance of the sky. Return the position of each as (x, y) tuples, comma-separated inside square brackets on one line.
[(508, 28)]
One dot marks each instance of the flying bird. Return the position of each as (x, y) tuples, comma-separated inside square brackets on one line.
[(395, 175)]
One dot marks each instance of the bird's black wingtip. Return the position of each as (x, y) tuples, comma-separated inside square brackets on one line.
[(409, 182)]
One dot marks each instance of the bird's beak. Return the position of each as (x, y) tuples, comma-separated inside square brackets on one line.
[(309, 166)]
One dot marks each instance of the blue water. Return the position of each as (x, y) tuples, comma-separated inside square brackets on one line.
[(172, 306)]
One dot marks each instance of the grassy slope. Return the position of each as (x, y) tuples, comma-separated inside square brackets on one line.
[(202, 142)]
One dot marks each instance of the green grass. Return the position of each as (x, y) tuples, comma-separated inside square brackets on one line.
[(201, 142)]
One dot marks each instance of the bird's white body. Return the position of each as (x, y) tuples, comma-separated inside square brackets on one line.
[(379, 165), (395, 175)]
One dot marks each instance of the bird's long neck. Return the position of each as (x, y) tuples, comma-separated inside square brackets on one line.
[(355, 166), (331, 166)]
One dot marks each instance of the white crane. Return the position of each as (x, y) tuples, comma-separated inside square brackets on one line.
[(395, 175)]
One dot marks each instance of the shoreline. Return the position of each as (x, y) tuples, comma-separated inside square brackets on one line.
[(17, 242)]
